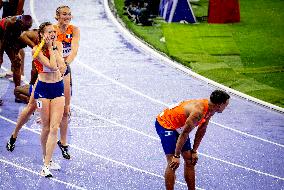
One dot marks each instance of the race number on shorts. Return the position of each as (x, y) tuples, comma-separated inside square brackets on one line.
[(39, 104)]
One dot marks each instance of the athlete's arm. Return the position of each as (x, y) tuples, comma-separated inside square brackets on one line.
[(59, 57), (190, 123), (197, 140), (50, 63), (29, 38), (199, 135), (74, 45), (20, 7)]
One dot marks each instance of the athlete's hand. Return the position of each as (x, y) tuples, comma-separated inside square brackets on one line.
[(175, 163), (47, 39), (194, 158), (62, 68)]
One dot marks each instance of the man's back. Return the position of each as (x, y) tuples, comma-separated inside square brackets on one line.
[(175, 116)]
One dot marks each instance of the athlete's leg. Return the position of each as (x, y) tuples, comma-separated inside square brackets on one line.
[(44, 109), (14, 57), (26, 113), (22, 57), (189, 170), (23, 118), (22, 93), (168, 140), (170, 176), (64, 122), (62, 143), (56, 113)]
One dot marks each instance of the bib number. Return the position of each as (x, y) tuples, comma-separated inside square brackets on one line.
[(39, 104)]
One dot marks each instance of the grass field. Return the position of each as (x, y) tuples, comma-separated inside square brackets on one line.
[(246, 56)]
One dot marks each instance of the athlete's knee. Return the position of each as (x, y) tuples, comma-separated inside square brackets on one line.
[(66, 111), (54, 129), (189, 164), (46, 129), (31, 107)]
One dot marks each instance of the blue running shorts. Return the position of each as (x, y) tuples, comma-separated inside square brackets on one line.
[(169, 139), (49, 90)]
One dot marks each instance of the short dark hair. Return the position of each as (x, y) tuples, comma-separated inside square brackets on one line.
[(219, 97)]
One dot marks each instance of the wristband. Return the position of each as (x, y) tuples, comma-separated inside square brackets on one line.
[(176, 156), (38, 48)]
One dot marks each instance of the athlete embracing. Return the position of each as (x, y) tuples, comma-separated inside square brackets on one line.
[(69, 36)]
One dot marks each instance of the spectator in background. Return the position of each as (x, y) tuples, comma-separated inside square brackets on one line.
[(139, 11)]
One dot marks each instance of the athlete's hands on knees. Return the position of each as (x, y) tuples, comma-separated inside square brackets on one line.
[(194, 157), (175, 163)]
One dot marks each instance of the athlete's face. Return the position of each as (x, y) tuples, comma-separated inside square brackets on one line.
[(221, 107), (64, 16), (49, 34)]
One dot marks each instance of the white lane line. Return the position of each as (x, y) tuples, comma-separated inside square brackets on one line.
[(100, 156), (139, 93), (113, 122), (248, 135), (157, 139), (246, 168), (118, 83), (164, 104), (123, 164), (152, 137), (91, 127), (69, 185)]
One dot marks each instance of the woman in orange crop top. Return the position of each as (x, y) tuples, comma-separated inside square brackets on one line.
[(49, 92), (69, 36)]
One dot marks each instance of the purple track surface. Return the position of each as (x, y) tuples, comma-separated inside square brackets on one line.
[(117, 92)]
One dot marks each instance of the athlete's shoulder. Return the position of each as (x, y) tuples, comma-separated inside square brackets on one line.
[(195, 106), (75, 28)]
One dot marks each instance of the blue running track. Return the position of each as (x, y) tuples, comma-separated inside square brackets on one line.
[(117, 92)]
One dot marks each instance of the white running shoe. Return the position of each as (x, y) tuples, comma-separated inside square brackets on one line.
[(6, 74), (54, 166), (45, 172)]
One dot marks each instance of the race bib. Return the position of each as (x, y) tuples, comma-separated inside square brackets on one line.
[(39, 104), (66, 49)]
